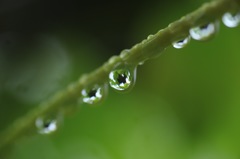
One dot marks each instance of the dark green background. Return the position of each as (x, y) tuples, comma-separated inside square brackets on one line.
[(185, 103)]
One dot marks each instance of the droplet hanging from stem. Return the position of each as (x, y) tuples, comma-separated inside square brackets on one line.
[(231, 20), (94, 94), (204, 32), (123, 78), (48, 124), (181, 43)]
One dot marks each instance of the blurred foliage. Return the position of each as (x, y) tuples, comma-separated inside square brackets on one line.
[(185, 104)]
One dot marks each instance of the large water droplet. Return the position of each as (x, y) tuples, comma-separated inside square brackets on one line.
[(122, 78), (231, 20), (181, 43), (204, 32), (94, 94), (46, 125)]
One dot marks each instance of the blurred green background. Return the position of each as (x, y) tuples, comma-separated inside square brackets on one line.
[(185, 104)]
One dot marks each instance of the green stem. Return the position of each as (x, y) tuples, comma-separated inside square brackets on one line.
[(145, 50)]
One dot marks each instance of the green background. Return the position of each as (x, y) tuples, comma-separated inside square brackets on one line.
[(185, 104)]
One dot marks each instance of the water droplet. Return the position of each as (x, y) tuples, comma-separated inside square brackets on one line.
[(231, 20), (46, 125), (181, 43), (94, 94), (204, 32), (122, 78)]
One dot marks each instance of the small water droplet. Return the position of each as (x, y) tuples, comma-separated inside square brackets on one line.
[(204, 32), (181, 43), (231, 20), (122, 78), (46, 125), (94, 94)]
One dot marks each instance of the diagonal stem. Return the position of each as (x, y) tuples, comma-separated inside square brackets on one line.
[(147, 49)]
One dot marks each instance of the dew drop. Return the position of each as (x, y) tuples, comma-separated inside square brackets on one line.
[(204, 32), (46, 125), (181, 43), (231, 20), (94, 94), (122, 79)]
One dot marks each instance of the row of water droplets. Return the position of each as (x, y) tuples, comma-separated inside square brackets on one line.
[(122, 78), (207, 31)]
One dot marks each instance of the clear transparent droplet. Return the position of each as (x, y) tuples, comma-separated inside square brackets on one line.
[(231, 20), (94, 95), (122, 79), (204, 32), (181, 43), (46, 125)]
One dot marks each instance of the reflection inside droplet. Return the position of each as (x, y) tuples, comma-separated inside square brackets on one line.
[(94, 94), (46, 126), (122, 79), (181, 43), (203, 32), (231, 20)]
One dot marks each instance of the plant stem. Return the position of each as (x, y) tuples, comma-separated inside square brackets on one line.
[(147, 49)]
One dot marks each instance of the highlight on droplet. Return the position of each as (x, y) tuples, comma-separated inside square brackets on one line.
[(231, 20), (181, 43), (204, 32), (122, 78), (94, 94), (46, 125)]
